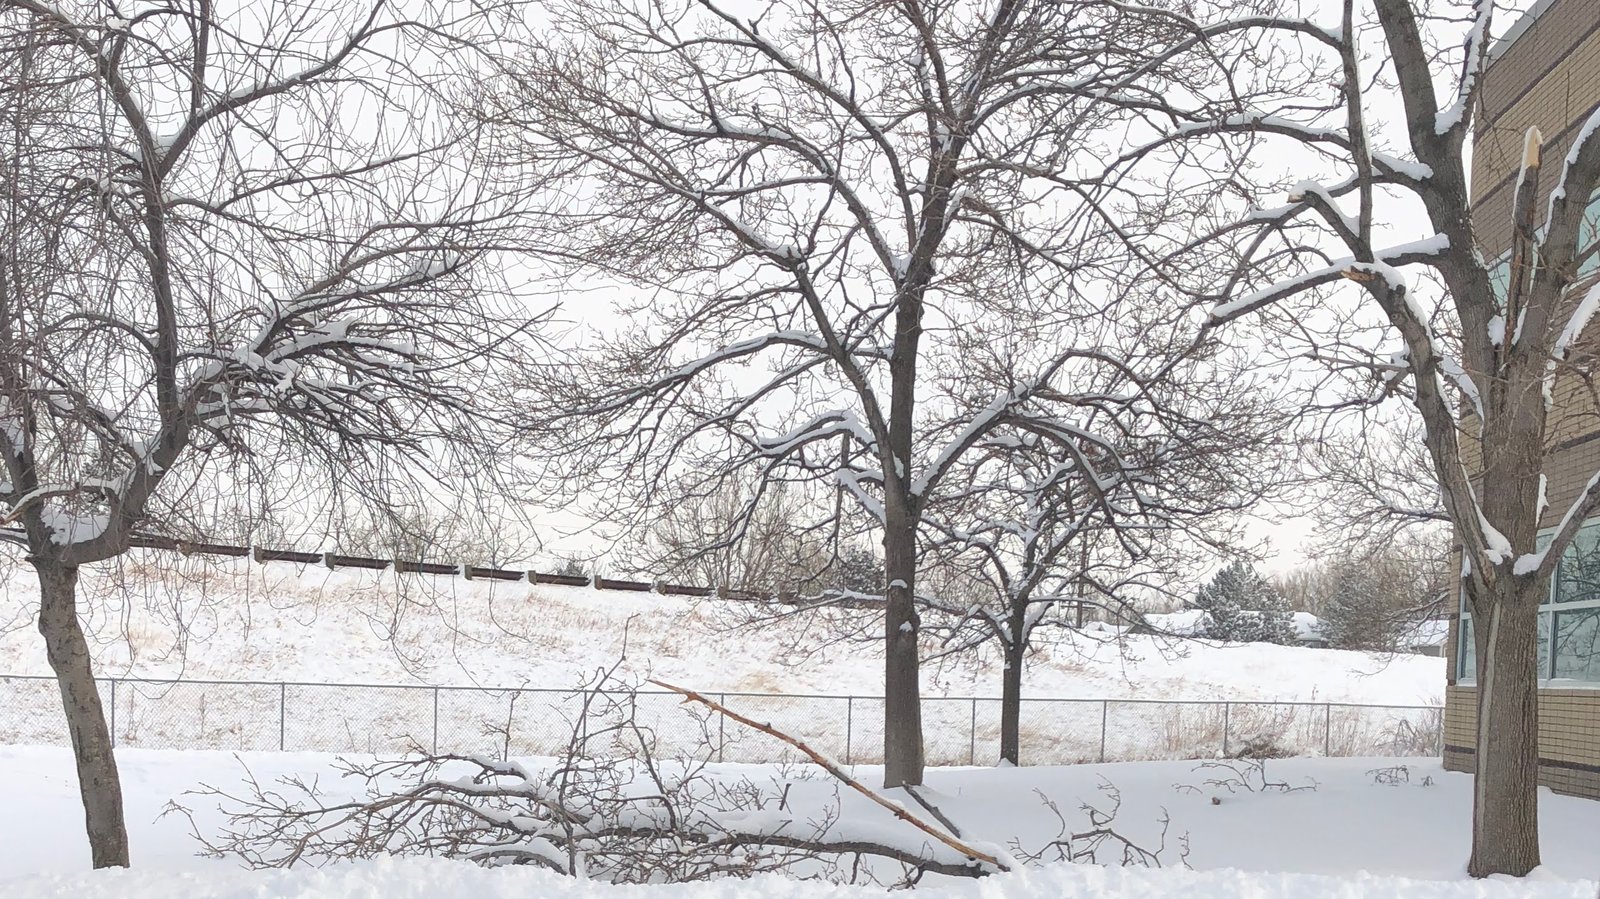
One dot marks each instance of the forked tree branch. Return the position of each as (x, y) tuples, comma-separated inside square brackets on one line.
[(838, 773)]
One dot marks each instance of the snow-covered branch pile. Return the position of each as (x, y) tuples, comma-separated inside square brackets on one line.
[(619, 816)]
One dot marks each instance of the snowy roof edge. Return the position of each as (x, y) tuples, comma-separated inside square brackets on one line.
[(1520, 27)]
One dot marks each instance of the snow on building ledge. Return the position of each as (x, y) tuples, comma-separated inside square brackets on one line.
[(1520, 27)]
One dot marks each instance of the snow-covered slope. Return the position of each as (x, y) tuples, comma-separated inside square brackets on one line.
[(232, 620)]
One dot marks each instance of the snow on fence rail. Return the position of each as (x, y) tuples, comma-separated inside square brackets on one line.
[(374, 718)]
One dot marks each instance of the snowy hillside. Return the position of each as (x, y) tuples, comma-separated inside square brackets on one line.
[(230, 620)]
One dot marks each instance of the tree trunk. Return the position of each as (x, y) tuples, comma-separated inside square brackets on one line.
[(98, 782), (1011, 702), (902, 690), (1505, 802)]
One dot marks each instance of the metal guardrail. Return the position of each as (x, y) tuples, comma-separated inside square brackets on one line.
[(386, 718)]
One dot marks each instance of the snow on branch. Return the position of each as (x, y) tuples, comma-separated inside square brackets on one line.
[(975, 427), (1385, 267), (1580, 175), (838, 773), (1477, 53), (822, 427), (1582, 507), (1579, 320), (588, 814)]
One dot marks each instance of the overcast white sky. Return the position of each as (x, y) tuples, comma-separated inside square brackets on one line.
[(1282, 533)]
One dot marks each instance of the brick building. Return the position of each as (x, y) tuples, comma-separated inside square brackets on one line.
[(1546, 73)]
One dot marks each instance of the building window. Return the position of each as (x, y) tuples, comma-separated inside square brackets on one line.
[(1588, 242), (1589, 236), (1577, 646), (1569, 620)]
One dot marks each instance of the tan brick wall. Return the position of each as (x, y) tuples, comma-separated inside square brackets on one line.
[(1575, 412), (1547, 78), (1566, 470), (1569, 737), (1550, 78), (1460, 712)]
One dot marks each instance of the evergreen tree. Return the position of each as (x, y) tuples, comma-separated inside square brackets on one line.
[(1276, 620), (1220, 600), (1359, 612), (1244, 607), (859, 571)]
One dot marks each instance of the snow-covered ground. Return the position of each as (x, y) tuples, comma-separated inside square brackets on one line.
[(231, 620), (284, 622), (421, 879), (1348, 837)]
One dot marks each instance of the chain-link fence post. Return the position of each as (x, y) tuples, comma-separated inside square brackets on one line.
[(972, 732), (849, 725), (1327, 730), (722, 740), (1104, 709), (1227, 725), (283, 712), (435, 720), (511, 720)]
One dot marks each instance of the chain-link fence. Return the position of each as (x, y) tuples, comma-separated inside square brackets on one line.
[(367, 718)]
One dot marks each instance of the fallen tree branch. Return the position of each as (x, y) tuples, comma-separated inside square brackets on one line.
[(630, 819), (933, 810), (837, 771)]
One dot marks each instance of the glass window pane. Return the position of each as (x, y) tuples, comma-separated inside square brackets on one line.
[(1578, 645), (1544, 645), (1541, 543), (1467, 654), (1587, 234), (1578, 576)]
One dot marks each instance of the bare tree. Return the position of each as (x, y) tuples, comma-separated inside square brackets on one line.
[(227, 238), (1375, 598), (1052, 522), (825, 213), (1482, 352), (483, 533), (716, 542), (1372, 486)]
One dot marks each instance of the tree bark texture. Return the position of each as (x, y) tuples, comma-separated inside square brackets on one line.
[(99, 785), (903, 759), (1505, 820), (1011, 701)]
